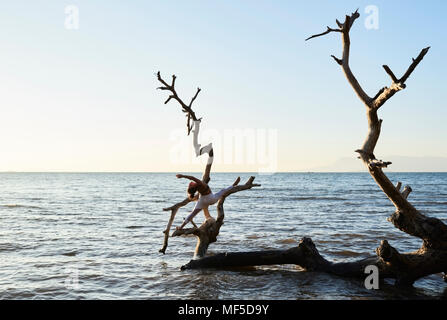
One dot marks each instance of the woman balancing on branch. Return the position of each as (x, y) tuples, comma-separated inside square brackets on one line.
[(206, 197)]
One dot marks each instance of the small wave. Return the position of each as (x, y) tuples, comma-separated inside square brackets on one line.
[(346, 253), (430, 203), (70, 254), (9, 247), (349, 235), (287, 241), (317, 198), (14, 206), (254, 236), (336, 242), (15, 247), (134, 227)]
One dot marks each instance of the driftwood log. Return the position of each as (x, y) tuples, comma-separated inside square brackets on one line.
[(405, 268)]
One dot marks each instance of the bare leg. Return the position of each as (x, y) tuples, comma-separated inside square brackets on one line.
[(189, 218), (206, 213)]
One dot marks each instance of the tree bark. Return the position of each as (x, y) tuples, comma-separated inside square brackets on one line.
[(405, 268)]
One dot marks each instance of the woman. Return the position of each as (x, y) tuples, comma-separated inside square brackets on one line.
[(205, 197)]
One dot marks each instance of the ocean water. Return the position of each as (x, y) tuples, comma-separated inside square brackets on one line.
[(97, 235)]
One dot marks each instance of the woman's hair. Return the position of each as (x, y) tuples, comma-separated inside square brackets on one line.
[(192, 189)]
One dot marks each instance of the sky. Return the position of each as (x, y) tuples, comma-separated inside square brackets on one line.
[(80, 95)]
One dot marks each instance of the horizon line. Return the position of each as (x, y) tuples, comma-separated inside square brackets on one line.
[(251, 172)]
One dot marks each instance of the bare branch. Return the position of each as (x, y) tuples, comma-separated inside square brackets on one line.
[(169, 98), (340, 25), (391, 256), (173, 210), (185, 108), (195, 96), (397, 84), (407, 190), (323, 33), (374, 163), (380, 92), (339, 61), (387, 93), (236, 188), (350, 20), (344, 29), (414, 65), (390, 73), (185, 232)]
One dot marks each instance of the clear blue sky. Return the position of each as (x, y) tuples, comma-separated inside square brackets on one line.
[(85, 100)]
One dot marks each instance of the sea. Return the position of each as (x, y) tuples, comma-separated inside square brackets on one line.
[(98, 235)]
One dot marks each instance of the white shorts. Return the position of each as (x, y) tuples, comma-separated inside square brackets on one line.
[(210, 199)]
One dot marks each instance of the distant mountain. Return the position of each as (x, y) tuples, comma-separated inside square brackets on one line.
[(399, 164)]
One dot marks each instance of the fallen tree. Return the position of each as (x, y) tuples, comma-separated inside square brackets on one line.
[(405, 268)]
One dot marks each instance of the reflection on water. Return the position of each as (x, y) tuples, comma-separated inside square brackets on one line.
[(96, 236)]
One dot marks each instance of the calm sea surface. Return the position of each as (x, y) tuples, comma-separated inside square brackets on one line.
[(97, 236)]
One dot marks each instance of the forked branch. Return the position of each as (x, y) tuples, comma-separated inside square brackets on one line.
[(190, 115), (397, 84), (344, 29)]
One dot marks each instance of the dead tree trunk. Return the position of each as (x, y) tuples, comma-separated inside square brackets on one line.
[(430, 258), (406, 268)]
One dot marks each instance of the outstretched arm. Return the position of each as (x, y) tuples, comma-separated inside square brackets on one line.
[(198, 181)]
